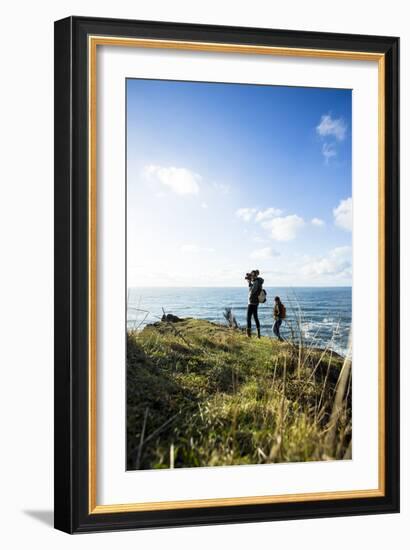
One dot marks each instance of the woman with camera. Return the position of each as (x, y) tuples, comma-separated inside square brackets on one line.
[(255, 286)]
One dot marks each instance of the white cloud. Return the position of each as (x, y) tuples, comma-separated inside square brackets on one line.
[(328, 151), (338, 264), (343, 214), (263, 254), (223, 188), (194, 249), (281, 228), (179, 180), (329, 126), (284, 228), (246, 214), (267, 214), (204, 205), (259, 239), (317, 222)]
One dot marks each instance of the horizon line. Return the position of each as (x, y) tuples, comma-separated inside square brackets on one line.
[(240, 286)]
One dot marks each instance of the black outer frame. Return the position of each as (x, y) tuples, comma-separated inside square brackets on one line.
[(71, 275)]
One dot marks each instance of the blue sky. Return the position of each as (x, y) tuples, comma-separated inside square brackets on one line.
[(225, 178)]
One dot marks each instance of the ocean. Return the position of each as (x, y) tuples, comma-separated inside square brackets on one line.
[(325, 312)]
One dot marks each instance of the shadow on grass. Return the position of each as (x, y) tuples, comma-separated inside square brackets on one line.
[(156, 403)]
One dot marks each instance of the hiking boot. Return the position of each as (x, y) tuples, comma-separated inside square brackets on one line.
[(248, 332), (259, 332)]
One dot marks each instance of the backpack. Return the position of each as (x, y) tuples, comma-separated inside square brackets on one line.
[(282, 311), (262, 296)]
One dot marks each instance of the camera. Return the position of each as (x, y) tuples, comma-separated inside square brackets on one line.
[(248, 276)]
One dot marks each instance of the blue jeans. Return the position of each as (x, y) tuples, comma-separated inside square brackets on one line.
[(252, 312), (276, 327)]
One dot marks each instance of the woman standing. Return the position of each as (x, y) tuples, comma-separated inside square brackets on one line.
[(279, 313), (255, 286)]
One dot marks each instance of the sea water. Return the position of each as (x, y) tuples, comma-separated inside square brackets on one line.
[(323, 315)]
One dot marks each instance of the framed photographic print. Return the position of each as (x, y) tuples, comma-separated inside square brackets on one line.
[(226, 274)]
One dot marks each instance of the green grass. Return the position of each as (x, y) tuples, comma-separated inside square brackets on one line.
[(201, 394)]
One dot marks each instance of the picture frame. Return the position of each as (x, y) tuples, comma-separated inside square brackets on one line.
[(77, 40)]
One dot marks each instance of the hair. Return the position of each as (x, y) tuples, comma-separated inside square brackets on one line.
[(256, 271), (277, 299)]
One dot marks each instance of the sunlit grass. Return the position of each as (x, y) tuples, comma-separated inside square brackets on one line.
[(201, 394)]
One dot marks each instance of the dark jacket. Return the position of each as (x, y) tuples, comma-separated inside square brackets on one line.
[(254, 289), (277, 311)]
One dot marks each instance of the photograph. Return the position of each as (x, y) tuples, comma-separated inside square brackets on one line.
[(227, 253), (238, 274)]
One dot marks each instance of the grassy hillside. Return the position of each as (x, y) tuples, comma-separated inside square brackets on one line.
[(201, 394)]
